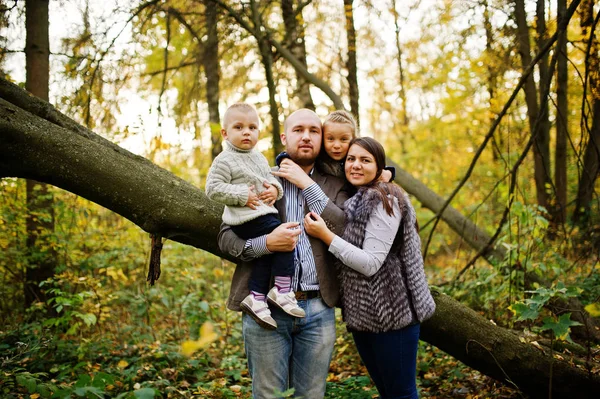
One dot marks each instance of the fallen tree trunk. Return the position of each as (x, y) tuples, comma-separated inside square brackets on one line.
[(57, 151), (500, 354)]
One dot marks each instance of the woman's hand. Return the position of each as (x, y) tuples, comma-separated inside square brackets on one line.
[(268, 196), (315, 226), (293, 173)]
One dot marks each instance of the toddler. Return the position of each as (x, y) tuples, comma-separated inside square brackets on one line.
[(241, 179)]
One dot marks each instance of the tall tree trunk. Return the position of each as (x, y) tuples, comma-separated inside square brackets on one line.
[(266, 56), (404, 121), (351, 62), (74, 158), (210, 60), (543, 134), (40, 212), (492, 78), (562, 119), (294, 42), (591, 158), (530, 90)]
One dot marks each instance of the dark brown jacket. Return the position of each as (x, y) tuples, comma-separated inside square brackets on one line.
[(336, 190)]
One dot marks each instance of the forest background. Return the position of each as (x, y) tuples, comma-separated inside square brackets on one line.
[(489, 109)]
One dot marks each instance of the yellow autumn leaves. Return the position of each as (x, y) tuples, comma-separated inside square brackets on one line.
[(593, 309), (207, 335)]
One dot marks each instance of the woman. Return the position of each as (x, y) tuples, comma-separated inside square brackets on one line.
[(385, 295)]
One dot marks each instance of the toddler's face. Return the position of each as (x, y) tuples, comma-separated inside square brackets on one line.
[(241, 129), (337, 138)]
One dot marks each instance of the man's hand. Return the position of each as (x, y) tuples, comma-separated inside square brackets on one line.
[(284, 237), (293, 173), (268, 196), (253, 200)]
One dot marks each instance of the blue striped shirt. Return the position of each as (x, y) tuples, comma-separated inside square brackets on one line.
[(305, 275)]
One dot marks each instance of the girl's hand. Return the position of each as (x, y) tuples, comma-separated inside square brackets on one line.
[(315, 226), (253, 200), (293, 173), (268, 196), (386, 176)]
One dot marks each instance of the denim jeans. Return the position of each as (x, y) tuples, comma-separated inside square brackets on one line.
[(391, 359), (276, 264), (296, 355)]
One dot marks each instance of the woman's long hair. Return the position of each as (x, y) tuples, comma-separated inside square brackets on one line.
[(387, 190)]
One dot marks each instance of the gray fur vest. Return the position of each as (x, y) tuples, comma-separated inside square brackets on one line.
[(397, 295)]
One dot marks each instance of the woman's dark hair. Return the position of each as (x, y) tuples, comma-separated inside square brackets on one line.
[(386, 190)]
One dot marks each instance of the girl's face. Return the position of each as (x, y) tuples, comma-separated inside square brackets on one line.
[(360, 166), (337, 138)]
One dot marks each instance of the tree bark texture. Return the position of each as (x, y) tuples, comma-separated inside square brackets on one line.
[(52, 148), (591, 157), (266, 56), (562, 122), (294, 42), (500, 354), (40, 211), (210, 61), (404, 120), (532, 105), (543, 133), (351, 62)]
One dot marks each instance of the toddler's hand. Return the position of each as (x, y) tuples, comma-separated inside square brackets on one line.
[(268, 196), (253, 200)]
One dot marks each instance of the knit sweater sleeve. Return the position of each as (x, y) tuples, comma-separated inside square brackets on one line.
[(380, 232), (219, 187)]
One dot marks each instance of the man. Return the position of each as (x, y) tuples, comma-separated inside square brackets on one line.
[(296, 354)]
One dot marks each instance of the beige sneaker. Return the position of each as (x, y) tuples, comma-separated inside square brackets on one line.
[(259, 311), (286, 302)]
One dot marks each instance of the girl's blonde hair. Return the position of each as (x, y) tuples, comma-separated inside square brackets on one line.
[(343, 117)]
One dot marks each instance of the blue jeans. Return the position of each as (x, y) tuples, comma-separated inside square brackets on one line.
[(296, 355), (391, 359)]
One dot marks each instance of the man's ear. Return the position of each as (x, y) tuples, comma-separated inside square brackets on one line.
[(283, 139)]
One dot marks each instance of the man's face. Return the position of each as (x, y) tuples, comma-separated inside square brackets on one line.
[(302, 137)]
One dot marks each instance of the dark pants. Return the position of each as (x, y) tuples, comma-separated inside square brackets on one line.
[(278, 263), (391, 359)]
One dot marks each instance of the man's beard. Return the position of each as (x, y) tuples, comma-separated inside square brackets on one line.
[(304, 161)]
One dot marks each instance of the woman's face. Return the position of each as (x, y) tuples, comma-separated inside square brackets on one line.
[(360, 166), (337, 138)]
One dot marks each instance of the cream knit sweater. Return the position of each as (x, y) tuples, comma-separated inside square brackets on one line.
[(231, 174)]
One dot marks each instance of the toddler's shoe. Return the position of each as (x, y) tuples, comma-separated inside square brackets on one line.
[(259, 311), (286, 302)]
